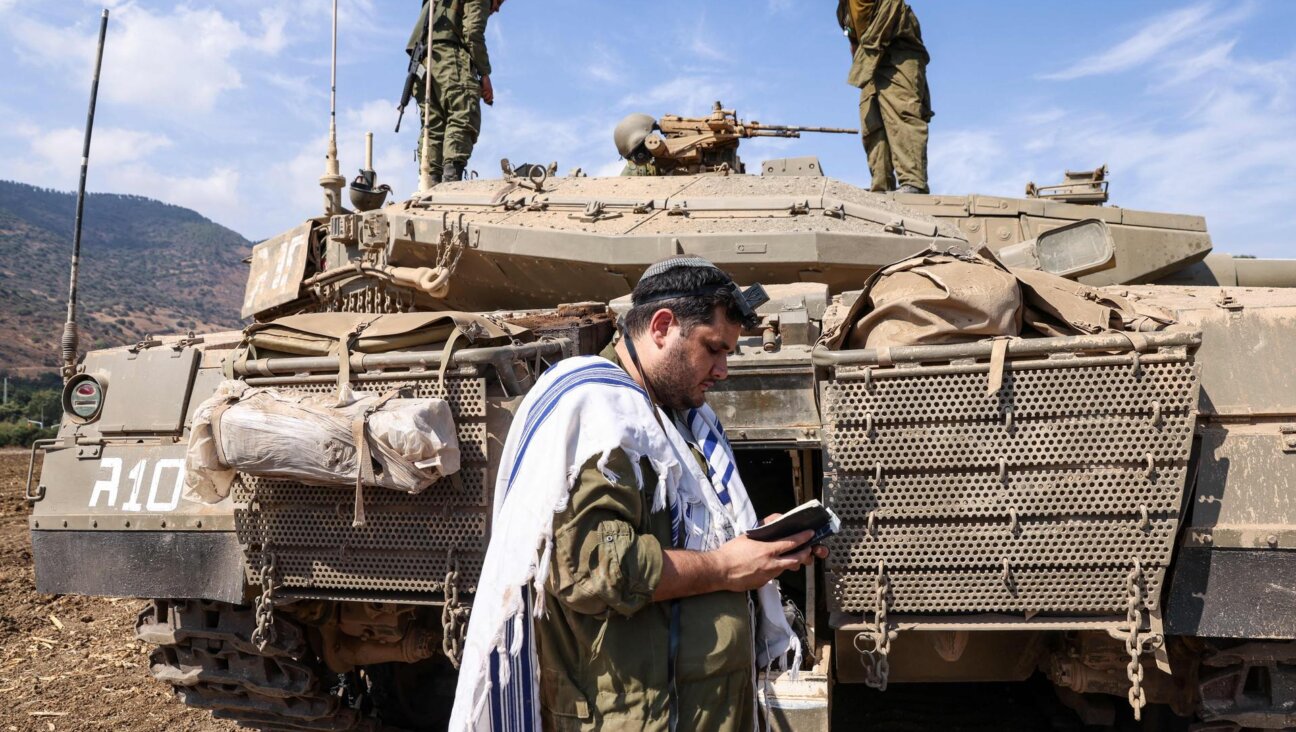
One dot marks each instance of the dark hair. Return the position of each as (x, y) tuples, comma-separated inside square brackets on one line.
[(689, 310)]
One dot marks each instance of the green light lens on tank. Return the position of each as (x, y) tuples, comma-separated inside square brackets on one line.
[(83, 397)]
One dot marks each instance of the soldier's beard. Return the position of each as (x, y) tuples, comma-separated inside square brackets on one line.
[(673, 383)]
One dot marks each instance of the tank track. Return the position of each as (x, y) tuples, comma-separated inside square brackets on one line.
[(204, 650)]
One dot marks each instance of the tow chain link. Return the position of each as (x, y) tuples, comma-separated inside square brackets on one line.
[(883, 670), (1134, 605), (265, 632), (454, 618), (878, 648)]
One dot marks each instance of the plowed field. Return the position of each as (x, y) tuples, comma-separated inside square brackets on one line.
[(68, 662)]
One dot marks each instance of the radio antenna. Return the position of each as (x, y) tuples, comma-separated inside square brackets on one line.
[(425, 160), (332, 180), (70, 344)]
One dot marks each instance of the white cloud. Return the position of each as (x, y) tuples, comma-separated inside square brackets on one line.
[(1217, 139), (705, 46), (604, 66), (1158, 36), (216, 194), (527, 134), (120, 162), (607, 169), (685, 95), (295, 177), (181, 61), (61, 149), (975, 160), (1195, 65), (355, 17)]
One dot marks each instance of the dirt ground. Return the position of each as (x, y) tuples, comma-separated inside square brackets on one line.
[(70, 662)]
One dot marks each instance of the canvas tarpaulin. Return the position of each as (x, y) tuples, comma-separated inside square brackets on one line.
[(342, 334), (934, 297), (957, 295), (383, 441)]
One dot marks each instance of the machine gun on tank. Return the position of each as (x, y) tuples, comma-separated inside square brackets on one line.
[(709, 144)]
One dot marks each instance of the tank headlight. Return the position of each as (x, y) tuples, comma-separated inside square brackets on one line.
[(83, 398)]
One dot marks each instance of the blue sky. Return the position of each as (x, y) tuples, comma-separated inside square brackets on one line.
[(222, 106)]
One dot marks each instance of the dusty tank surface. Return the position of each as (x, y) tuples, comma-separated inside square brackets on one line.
[(1115, 517)]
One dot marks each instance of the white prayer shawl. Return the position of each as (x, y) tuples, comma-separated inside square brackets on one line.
[(580, 408)]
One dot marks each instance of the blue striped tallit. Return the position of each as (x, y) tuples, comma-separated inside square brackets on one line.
[(514, 684), (710, 439), (600, 371), (583, 407)]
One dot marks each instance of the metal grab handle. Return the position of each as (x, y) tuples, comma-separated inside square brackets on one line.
[(31, 469), (821, 355)]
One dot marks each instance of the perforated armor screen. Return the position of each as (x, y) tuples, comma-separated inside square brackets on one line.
[(1030, 501), (407, 542)]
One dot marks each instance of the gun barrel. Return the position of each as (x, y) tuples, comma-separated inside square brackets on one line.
[(795, 128), (769, 132)]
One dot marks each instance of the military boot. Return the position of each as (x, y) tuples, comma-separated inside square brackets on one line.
[(452, 171)]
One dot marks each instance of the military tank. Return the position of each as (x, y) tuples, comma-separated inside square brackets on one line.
[(1113, 517)]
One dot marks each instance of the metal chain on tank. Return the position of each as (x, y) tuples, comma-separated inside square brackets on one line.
[(265, 632), (454, 616), (451, 244), (1133, 642), (878, 648), (883, 632)]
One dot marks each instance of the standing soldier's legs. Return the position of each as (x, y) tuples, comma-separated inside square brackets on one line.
[(434, 114), (901, 95), (876, 145), (434, 125), (460, 97)]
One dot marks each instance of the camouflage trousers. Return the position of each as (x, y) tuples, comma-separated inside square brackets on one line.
[(895, 108), (452, 116)]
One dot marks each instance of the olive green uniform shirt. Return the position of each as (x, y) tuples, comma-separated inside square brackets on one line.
[(890, 69), (452, 116), (647, 169), (604, 644)]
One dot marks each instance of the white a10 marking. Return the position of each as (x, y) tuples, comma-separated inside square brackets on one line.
[(107, 487)]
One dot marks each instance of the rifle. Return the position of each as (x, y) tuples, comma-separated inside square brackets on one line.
[(416, 69), (412, 77)]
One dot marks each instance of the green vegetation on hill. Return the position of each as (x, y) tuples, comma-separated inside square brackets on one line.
[(146, 268), (29, 409)]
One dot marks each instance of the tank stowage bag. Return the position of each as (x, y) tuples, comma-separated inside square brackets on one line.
[(930, 299), (304, 437)]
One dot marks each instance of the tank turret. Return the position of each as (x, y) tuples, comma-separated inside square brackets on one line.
[(1107, 509)]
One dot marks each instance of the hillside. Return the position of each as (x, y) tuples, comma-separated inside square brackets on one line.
[(146, 268)]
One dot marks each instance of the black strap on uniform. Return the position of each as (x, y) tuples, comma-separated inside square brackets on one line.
[(675, 611)]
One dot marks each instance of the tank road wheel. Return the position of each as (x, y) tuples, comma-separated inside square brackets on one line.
[(204, 650)]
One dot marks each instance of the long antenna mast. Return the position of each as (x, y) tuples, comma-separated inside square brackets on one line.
[(70, 344), (425, 160), (332, 180)]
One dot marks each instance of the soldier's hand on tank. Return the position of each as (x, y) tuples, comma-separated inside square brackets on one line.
[(487, 91)]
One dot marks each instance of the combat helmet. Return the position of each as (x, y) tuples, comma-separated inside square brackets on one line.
[(631, 132)]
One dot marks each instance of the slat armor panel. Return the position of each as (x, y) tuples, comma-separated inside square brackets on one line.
[(407, 542), (1037, 499)]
